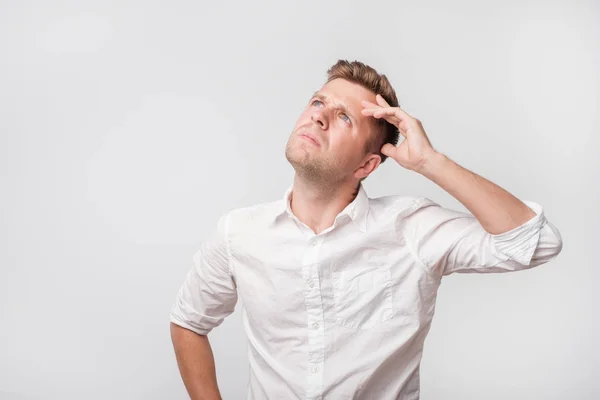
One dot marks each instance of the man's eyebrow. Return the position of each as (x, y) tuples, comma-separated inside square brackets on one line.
[(341, 106)]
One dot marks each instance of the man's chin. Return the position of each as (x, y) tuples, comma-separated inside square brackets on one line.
[(297, 155)]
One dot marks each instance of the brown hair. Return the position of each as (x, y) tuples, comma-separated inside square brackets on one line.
[(368, 77)]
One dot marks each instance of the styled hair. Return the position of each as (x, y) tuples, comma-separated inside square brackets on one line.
[(366, 76)]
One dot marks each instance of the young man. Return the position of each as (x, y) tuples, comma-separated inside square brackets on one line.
[(339, 289)]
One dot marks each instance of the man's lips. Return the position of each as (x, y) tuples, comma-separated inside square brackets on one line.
[(310, 138)]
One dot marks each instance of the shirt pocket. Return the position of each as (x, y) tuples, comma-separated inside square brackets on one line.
[(363, 297)]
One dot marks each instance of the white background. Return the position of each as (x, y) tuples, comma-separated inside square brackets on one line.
[(128, 127)]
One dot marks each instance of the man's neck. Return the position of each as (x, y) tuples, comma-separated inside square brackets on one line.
[(317, 205)]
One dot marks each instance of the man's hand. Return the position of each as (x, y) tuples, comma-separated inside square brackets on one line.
[(497, 210), (414, 151)]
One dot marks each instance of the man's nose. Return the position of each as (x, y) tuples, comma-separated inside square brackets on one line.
[(320, 118)]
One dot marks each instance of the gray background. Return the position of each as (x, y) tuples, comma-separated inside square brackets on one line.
[(128, 127)]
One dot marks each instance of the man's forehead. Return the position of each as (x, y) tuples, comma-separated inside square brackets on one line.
[(345, 93)]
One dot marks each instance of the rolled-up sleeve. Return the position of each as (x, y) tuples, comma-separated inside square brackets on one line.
[(448, 241), (209, 293)]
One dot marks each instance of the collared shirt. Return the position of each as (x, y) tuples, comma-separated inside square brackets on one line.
[(343, 314)]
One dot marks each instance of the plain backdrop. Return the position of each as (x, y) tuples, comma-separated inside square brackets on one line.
[(128, 127)]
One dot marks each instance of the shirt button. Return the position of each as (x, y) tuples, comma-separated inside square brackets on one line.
[(313, 243), (311, 284), (315, 368), (316, 325)]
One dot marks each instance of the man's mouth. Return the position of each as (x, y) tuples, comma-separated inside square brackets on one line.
[(310, 139)]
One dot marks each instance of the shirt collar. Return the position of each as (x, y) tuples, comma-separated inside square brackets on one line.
[(357, 210)]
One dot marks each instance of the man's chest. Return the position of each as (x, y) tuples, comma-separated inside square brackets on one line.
[(355, 282)]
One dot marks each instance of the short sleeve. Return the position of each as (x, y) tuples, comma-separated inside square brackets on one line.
[(209, 292), (448, 241)]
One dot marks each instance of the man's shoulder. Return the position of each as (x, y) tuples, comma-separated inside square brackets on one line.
[(252, 217), (400, 204)]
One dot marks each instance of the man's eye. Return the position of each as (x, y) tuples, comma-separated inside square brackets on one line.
[(317, 101), (346, 118)]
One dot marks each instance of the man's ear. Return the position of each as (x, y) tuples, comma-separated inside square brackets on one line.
[(369, 164)]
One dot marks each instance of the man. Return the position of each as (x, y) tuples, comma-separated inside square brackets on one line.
[(338, 288)]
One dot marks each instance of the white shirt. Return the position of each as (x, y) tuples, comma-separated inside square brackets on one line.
[(344, 314)]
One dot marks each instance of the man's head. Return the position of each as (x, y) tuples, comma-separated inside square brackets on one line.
[(348, 144)]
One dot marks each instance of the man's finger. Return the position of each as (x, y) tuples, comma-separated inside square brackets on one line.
[(387, 111), (389, 150), (391, 111), (369, 110), (380, 112), (402, 114), (393, 115), (399, 113), (392, 119), (381, 101), (374, 112), (368, 104)]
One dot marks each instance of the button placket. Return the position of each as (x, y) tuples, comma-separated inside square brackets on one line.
[(314, 309)]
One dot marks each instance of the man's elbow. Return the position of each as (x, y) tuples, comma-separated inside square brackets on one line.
[(557, 240), (550, 245)]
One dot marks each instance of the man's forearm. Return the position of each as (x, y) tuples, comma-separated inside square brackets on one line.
[(196, 363), (496, 209)]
